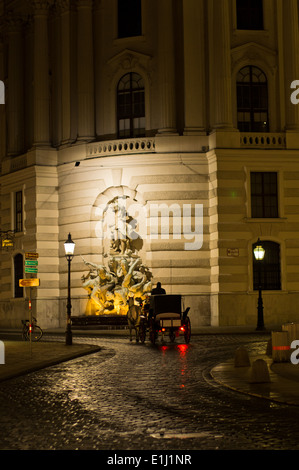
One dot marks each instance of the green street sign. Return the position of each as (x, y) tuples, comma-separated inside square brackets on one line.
[(31, 270), (31, 262)]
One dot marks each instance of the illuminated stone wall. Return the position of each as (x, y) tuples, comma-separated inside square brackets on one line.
[(61, 63)]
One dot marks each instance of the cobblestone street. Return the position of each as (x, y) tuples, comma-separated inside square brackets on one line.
[(143, 397)]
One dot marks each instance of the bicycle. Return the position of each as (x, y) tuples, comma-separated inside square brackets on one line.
[(31, 329)]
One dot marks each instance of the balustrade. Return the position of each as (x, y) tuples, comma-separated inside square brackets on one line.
[(117, 147), (262, 140)]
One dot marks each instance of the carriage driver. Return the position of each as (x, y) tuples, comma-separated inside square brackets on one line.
[(158, 290)]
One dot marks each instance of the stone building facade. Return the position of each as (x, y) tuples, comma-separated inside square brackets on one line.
[(169, 103)]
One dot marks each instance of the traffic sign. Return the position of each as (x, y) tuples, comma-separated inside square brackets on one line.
[(31, 262), (31, 270), (31, 255), (29, 282)]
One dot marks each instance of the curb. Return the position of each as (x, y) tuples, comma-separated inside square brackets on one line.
[(280, 389), (33, 364)]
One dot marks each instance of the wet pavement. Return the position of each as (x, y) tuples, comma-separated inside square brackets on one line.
[(23, 357), (129, 396)]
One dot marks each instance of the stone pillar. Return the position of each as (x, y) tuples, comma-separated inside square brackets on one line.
[(15, 102), (291, 60), (166, 68), (221, 66), (56, 85), (85, 74), (2, 108), (195, 66), (41, 75), (99, 19), (66, 70)]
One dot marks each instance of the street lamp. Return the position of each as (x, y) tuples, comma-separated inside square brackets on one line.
[(259, 254), (69, 248)]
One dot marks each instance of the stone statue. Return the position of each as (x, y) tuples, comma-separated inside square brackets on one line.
[(124, 237), (110, 290), (125, 277)]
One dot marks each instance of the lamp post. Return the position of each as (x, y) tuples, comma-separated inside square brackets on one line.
[(69, 248), (259, 254)]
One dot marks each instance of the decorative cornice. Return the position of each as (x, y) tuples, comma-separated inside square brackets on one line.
[(252, 52), (12, 23), (128, 60), (63, 6), (41, 7)]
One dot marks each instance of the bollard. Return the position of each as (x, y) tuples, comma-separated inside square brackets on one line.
[(269, 348), (280, 346), (292, 330), (259, 372), (242, 357), (2, 92), (2, 353)]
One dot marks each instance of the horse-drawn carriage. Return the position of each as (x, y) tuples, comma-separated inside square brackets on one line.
[(164, 315)]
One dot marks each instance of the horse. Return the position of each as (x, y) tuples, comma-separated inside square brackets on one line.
[(133, 316)]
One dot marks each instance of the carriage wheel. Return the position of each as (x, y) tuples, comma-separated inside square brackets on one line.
[(152, 332), (187, 333)]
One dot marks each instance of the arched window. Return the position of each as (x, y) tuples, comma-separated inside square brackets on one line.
[(131, 106), (267, 271), (18, 274), (252, 100)]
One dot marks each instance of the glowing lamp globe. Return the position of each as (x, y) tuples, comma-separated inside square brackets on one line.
[(259, 252), (69, 246)]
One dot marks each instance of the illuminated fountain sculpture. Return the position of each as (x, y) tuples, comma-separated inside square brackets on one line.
[(123, 274)]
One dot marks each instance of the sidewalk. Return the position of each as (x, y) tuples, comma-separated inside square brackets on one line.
[(22, 357), (283, 386)]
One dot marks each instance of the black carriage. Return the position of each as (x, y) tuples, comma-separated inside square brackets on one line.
[(164, 315)]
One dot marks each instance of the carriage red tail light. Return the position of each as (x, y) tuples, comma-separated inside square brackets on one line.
[(182, 328)]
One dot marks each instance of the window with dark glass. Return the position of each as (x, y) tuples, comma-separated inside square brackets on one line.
[(19, 211), (18, 274), (252, 100), (250, 14), (131, 106), (129, 18), (266, 272), (264, 195)]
